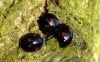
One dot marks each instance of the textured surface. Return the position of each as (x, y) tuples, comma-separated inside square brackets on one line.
[(18, 17)]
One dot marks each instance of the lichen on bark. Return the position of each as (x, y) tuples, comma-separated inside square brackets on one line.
[(18, 17)]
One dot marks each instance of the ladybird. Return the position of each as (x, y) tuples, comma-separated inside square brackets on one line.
[(47, 23), (30, 42), (64, 35)]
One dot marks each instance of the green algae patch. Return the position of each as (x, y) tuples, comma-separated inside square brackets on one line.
[(18, 17)]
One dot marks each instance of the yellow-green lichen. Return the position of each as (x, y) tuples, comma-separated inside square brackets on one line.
[(18, 17)]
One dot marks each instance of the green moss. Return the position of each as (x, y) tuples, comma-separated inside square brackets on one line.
[(20, 16)]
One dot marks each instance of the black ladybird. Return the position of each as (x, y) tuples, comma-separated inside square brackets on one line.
[(30, 42), (64, 35), (47, 23)]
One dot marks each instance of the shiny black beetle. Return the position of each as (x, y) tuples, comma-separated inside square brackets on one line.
[(64, 35), (49, 25), (30, 42)]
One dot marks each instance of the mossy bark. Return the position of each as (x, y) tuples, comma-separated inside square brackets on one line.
[(18, 17)]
